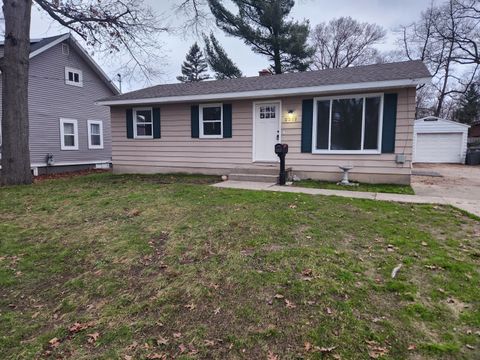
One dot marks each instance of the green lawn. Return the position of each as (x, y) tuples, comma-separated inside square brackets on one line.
[(382, 188), (162, 267)]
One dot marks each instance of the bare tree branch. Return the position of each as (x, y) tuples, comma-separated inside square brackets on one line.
[(345, 42)]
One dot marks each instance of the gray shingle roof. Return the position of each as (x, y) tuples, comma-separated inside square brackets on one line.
[(35, 44), (359, 74)]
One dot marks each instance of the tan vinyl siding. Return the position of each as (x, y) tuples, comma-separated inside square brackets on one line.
[(177, 151)]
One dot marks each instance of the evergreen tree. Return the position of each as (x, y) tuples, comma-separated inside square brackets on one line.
[(469, 106), (195, 66), (219, 61), (263, 25)]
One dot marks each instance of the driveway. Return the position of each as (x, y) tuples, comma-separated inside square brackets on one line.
[(451, 181)]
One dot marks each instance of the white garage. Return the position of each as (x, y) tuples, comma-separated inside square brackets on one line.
[(437, 140)]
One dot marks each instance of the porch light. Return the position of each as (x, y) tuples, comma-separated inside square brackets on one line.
[(291, 116)]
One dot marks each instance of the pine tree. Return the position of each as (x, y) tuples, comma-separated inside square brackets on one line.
[(264, 26), (195, 66), (219, 61), (469, 106)]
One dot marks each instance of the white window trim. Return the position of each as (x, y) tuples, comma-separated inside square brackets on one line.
[(75, 71), (200, 121), (62, 134), (135, 136), (89, 131), (353, 96)]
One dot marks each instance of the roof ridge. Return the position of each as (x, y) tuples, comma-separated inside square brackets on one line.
[(272, 76)]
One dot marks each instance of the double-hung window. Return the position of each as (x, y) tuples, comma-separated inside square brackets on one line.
[(73, 77), (348, 124), (68, 134), (143, 123), (211, 119), (95, 134)]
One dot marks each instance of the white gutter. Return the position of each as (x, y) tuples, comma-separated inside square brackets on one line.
[(374, 85)]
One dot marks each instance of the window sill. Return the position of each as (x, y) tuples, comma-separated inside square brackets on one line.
[(143, 137), (347, 152), (69, 148), (211, 137), (95, 147)]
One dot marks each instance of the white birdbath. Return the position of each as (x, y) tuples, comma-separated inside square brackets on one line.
[(345, 169)]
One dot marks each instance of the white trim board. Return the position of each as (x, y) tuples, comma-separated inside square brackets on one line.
[(308, 90), (70, 163)]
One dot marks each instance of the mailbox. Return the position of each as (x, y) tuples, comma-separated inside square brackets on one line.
[(281, 150)]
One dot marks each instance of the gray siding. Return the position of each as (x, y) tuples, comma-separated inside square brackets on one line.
[(51, 99)]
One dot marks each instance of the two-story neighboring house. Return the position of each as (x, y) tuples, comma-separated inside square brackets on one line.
[(67, 130)]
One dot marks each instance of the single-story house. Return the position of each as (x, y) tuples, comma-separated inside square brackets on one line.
[(360, 116), (437, 140)]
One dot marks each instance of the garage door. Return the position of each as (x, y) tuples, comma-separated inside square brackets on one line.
[(439, 148)]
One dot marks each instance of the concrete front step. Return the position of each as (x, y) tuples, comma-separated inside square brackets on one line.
[(270, 170), (267, 178)]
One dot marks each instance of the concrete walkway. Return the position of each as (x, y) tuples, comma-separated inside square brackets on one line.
[(471, 206)]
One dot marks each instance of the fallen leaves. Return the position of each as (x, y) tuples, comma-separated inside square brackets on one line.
[(93, 337), (54, 343), (395, 270), (307, 275), (77, 327), (289, 304), (375, 351), (272, 356), (156, 356), (209, 343), (324, 350), (190, 306)]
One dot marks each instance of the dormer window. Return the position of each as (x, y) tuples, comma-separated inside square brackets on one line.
[(73, 77)]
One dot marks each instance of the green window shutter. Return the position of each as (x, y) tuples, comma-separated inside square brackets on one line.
[(227, 120), (194, 121), (307, 122), (389, 122), (129, 117), (156, 123)]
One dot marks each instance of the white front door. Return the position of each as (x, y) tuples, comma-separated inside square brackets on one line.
[(266, 128)]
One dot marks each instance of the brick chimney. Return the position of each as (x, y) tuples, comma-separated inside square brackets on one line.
[(264, 72)]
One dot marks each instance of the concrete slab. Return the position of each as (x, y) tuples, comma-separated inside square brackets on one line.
[(471, 206)]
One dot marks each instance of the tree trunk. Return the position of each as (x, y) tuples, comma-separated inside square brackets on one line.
[(15, 133)]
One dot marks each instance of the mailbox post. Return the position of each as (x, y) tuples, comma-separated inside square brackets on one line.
[(281, 150)]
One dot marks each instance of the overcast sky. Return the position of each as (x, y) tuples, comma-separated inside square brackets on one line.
[(388, 13)]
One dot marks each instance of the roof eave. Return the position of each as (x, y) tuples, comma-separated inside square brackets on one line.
[(310, 90)]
